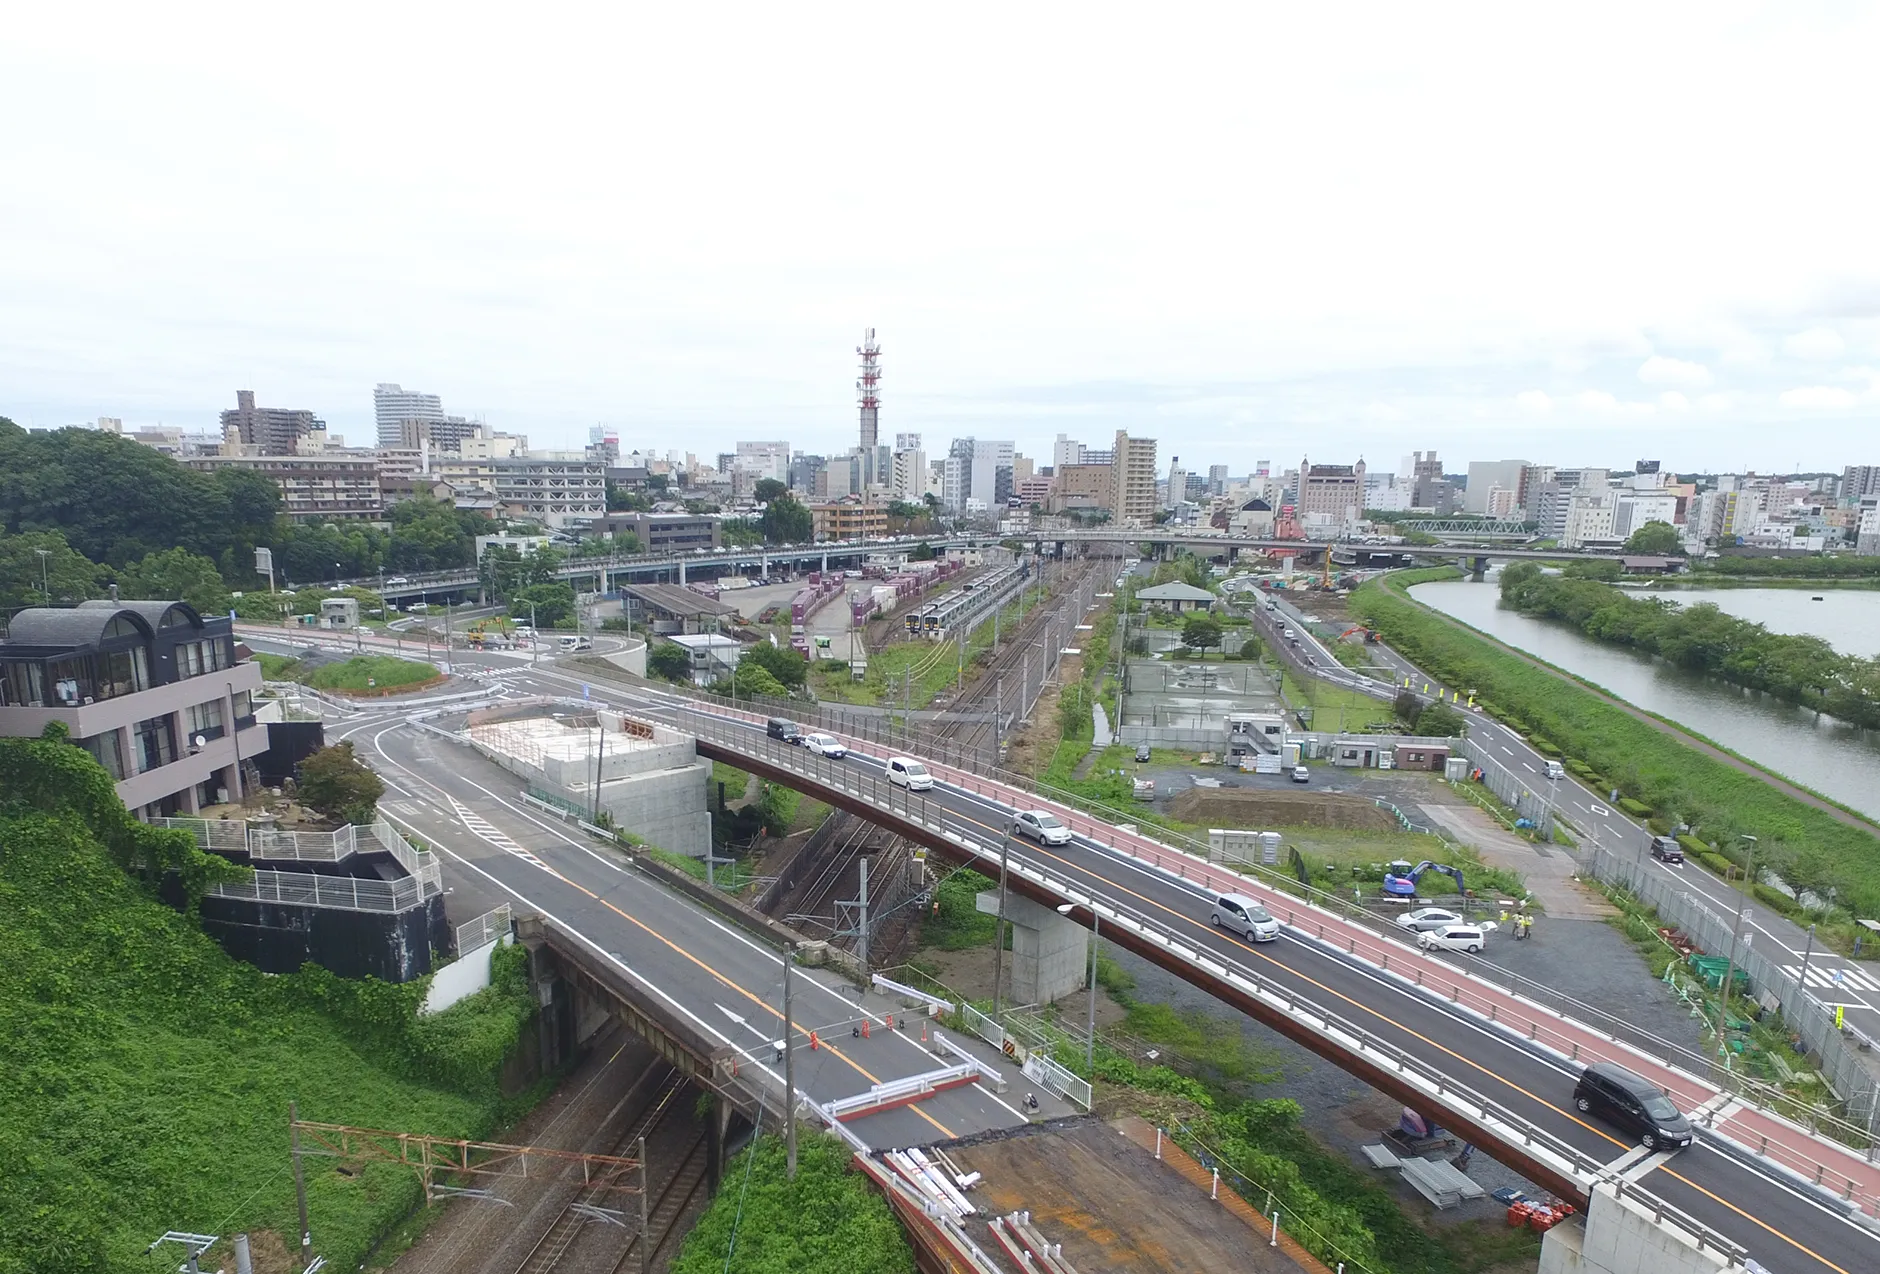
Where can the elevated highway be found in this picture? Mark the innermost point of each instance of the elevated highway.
(1494, 1063)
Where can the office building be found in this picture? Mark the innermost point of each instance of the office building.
(1082, 486)
(394, 405)
(909, 480)
(1590, 520)
(1426, 479)
(854, 519)
(1066, 451)
(1217, 479)
(806, 472)
(1035, 489)
(1177, 490)
(150, 688)
(979, 470)
(1329, 494)
(1132, 481)
(662, 532)
(1867, 528)
(1484, 476)
(314, 488)
(760, 460)
(273, 431)
(1858, 481)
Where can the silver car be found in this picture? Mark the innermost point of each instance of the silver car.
(1245, 917)
(1042, 826)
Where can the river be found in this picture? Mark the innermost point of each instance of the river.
(1829, 756)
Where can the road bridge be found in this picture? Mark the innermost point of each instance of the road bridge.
(1496, 1064)
(1209, 542)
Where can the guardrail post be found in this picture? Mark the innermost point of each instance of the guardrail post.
(1274, 1241)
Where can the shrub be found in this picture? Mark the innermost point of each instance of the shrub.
(1717, 863)
(1544, 747)
(1692, 846)
(1658, 827)
(1775, 899)
(1637, 809)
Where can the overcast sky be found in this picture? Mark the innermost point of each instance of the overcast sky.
(1575, 233)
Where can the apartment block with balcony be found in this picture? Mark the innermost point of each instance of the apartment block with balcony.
(663, 532)
(849, 520)
(560, 494)
(151, 689)
(1133, 478)
(316, 488)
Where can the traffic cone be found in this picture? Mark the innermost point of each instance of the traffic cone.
(814, 1043)
(864, 1028)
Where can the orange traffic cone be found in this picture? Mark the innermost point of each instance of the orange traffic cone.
(814, 1043)
(864, 1028)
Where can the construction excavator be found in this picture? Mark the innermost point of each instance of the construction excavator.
(1370, 637)
(1400, 879)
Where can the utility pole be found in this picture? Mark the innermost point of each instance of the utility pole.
(300, 1182)
(789, 1068)
(998, 947)
(861, 940)
(1729, 976)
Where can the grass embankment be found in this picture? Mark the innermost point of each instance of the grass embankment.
(358, 674)
(1662, 778)
(828, 1218)
(145, 1075)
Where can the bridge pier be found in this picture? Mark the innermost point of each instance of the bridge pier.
(1618, 1236)
(682, 570)
(825, 562)
(1049, 951)
(1478, 568)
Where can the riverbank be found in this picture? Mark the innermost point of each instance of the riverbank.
(1811, 841)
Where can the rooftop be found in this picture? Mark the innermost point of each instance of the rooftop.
(1175, 591)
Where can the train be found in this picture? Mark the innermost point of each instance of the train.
(934, 620)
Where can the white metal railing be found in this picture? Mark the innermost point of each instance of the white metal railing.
(485, 929)
(306, 889)
(421, 866)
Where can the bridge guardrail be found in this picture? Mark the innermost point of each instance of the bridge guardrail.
(1544, 1025)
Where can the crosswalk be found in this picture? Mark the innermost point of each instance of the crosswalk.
(488, 831)
(1836, 977)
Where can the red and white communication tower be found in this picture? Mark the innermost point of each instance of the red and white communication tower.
(868, 388)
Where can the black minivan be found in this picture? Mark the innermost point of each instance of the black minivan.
(1633, 1103)
(783, 728)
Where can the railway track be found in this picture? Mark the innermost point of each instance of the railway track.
(664, 1096)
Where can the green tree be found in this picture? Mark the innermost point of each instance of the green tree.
(1200, 632)
(62, 575)
(786, 665)
(1439, 721)
(768, 489)
(755, 679)
(624, 500)
(786, 521)
(1659, 539)
(176, 574)
(553, 603)
(922, 552)
(673, 662)
(336, 784)
(430, 535)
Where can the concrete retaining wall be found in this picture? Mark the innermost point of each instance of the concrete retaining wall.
(1619, 1237)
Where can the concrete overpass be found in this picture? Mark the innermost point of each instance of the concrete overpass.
(1214, 543)
(1495, 1065)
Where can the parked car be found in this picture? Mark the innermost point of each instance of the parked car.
(1142, 752)
(1301, 774)
(1043, 827)
(1666, 849)
(1245, 917)
(825, 745)
(905, 771)
(1633, 1103)
(1463, 937)
(785, 729)
(418, 608)
(1429, 918)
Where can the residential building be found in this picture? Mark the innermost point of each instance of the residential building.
(1132, 481)
(150, 688)
(1858, 481)
(1633, 509)
(1867, 529)
(560, 494)
(314, 488)
(1082, 486)
(1330, 494)
(273, 431)
(1217, 479)
(910, 471)
(856, 519)
(481, 443)
(763, 460)
(1485, 475)
(663, 532)
(1177, 490)
(1503, 504)
(1589, 520)
(393, 406)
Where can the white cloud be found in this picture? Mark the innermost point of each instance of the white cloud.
(1659, 370)
(1672, 400)
(1817, 344)
(1822, 396)
(1595, 400)
(1714, 402)
(1534, 402)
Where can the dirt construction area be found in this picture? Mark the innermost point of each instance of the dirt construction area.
(1239, 807)
(1098, 1189)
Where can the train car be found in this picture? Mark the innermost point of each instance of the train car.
(800, 608)
(930, 622)
(912, 623)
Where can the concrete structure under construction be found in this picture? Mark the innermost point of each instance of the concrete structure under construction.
(1050, 953)
(652, 781)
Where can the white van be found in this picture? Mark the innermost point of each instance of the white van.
(1245, 917)
(1555, 770)
(905, 771)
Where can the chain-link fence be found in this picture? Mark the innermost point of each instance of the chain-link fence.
(1529, 796)
(1717, 933)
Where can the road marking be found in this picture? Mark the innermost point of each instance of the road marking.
(485, 830)
(1648, 1165)
(1827, 977)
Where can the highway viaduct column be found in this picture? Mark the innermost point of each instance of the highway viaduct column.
(1618, 1236)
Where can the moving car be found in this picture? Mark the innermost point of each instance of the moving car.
(1043, 827)
(571, 644)
(1667, 849)
(1632, 1102)
(1245, 917)
(1462, 937)
(1554, 770)
(905, 771)
(785, 729)
(1301, 774)
(1429, 918)
(825, 745)
(396, 579)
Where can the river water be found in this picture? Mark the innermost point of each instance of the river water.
(1835, 759)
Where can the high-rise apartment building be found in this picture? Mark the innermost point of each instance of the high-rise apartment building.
(1177, 490)
(1132, 483)
(393, 405)
(909, 479)
(272, 431)
(1858, 481)
(1217, 479)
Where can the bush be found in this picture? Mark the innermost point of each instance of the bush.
(1637, 809)
(1543, 746)
(1693, 846)
(1717, 863)
(1776, 900)
(1658, 827)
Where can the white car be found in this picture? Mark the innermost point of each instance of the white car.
(396, 579)
(824, 745)
(905, 771)
(1467, 938)
(1245, 917)
(1429, 918)
(1043, 827)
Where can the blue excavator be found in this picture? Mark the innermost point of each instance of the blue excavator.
(1400, 878)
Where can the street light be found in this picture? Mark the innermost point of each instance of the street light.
(45, 586)
(1096, 937)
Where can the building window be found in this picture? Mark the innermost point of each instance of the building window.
(155, 743)
(206, 719)
(24, 685)
(108, 750)
(244, 709)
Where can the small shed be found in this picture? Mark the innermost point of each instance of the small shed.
(1421, 756)
(1176, 597)
(339, 612)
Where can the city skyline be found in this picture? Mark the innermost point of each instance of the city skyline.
(1402, 238)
